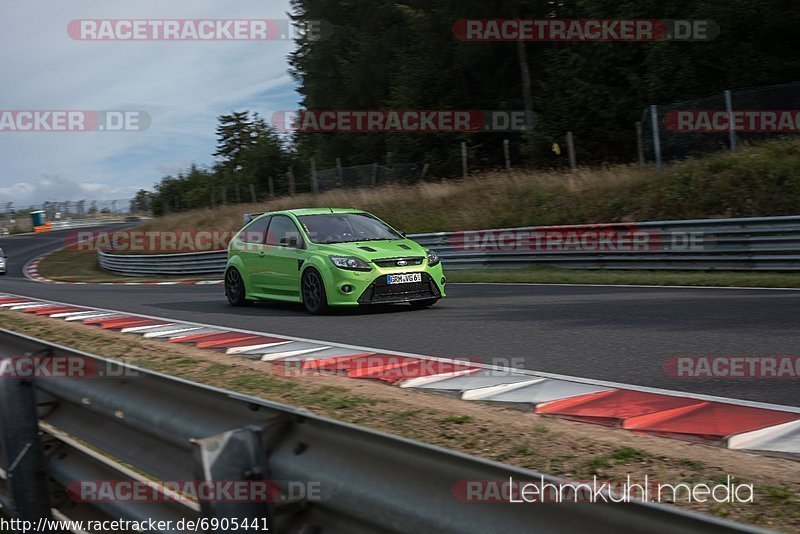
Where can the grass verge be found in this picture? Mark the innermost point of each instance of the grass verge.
(543, 275)
(81, 266)
(571, 450)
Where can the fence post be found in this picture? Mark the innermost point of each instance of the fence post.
(292, 189)
(571, 151)
(729, 108)
(640, 143)
(374, 174)
(506, 154)
(424, 171)
(314, 182)
(656, 135)
(271, 184)
(464, 167)
(339, 177)
(253, 193)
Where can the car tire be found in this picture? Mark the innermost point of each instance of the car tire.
(315, 299)
(235, 289)
(424, 303)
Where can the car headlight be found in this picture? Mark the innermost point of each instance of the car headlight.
(350, 263)
(433, 258)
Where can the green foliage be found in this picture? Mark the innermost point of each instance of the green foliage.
(249, 153)
(402, 54)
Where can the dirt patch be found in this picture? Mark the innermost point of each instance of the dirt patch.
(571, 450)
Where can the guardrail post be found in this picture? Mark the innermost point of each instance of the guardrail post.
(506, 154)
(20, 447)
(238, 455)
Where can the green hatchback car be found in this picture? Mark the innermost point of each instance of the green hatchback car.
(325, 257)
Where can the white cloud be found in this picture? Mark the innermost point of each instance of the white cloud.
(183, 86)
(58, 188)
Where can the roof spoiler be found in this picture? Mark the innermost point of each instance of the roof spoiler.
(250, 216)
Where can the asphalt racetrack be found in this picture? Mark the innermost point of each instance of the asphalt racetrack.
(620, 334)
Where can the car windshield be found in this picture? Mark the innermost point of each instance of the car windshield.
(346, 228)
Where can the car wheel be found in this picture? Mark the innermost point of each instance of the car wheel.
(424, 303)
(314, 298)
(234, 288)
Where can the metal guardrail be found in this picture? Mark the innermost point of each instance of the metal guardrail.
(742, 244)
(137, 425)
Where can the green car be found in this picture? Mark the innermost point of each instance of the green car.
(326, 257)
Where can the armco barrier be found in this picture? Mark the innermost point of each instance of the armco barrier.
(137, 425)
(742, 244)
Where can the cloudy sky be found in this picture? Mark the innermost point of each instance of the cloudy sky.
(184, 86)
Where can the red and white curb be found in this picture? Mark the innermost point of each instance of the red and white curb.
(731, 423)
(31, 272)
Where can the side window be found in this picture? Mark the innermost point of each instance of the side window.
(255, 232)
(282, 232)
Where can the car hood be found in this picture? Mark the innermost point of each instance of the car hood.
(375, 250)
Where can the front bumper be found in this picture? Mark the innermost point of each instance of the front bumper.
(355, 288)
(379, 292)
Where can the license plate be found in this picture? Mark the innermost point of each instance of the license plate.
(403, 278)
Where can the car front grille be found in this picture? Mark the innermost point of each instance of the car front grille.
(379, 292)
(393, 262)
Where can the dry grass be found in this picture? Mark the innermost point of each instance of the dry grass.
(762, 180)
(504, 198)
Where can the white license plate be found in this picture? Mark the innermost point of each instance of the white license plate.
(403, 278)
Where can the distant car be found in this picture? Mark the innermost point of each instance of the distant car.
(329, 257)
(2, 262)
